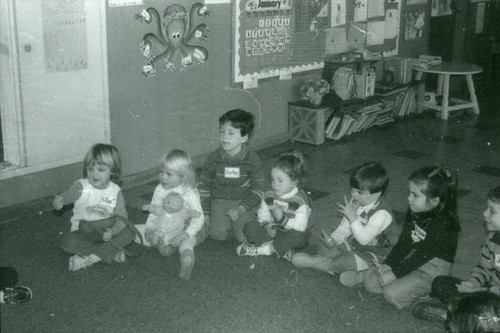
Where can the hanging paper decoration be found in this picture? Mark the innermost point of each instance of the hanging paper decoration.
(170, 47)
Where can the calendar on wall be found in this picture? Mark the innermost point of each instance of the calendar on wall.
(281, 37)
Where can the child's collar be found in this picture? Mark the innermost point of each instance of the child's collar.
(290, 194)
(240, 155)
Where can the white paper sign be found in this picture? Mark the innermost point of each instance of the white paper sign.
(124, 3)
(250, 82)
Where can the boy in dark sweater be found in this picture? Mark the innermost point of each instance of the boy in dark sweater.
(232, 180)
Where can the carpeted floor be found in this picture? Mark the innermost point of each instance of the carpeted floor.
(225, 294)
(231, 294)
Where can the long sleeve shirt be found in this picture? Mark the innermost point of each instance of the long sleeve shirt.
(425, 236)
(487, 271)
(93, 204)
(372, 220)
(295, 206)
(191, 202)
(238, 177)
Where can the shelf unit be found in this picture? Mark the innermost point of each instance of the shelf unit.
(313, 123)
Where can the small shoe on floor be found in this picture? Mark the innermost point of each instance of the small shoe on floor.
(434, 311)
(246, 250)
(351, 278)
(288, 255)
(77, 263)
(304, 260)
(120, 257)
(15, 295)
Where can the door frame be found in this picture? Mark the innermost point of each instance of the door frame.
(11, 117)
(13, 126)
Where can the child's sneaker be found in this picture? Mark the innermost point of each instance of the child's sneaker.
(246, 250)
(351, 278)
(432, 310)
(76, 262)
(15, 295)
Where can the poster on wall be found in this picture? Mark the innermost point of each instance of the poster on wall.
(441, 8)
(414, 23)
(64, 35)
(270, 36)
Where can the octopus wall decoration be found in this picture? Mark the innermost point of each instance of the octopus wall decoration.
(170, 47)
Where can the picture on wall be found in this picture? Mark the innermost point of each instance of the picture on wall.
(173, 43)
(441, 8)
(414, 23)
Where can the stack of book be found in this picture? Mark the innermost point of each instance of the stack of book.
(404, 103)
(427, 61)
(400, 69)
(357, 117)
(383, 89)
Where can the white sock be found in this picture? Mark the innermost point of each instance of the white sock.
(266, 249)
(2, 301)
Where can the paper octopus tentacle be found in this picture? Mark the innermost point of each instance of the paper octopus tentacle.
(151, 15)
(199, 32)
(197, 9)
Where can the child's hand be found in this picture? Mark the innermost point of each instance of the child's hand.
(348, 209)
(277, 213)
(381, 269)
(234, 213)
(153, 209)
(107, 235)
(385, 278)
(148, 234)
(326, 240)
(271, 231)
(177, 240)
(468, 287)
(57, 203)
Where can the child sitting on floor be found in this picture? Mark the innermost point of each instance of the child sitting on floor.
(283, 223)
(427, 244)
(100, 229)
(484, 277)
(365, 232)
(176, 174)
(231, 180)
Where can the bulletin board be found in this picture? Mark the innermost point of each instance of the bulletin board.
(281, 37)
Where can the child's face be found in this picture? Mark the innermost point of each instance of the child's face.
(231, 138)
(363, 197)
(281, 183)
(492, 216)
(418, 201)
(99, 175)
(168, 178)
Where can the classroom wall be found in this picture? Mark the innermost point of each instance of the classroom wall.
(180, 109)
(150, 116)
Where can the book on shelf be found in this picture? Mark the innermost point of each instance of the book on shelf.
(357, 117)
(387, 89)
(342, 82)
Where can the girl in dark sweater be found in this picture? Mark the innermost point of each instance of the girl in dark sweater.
(427, 244)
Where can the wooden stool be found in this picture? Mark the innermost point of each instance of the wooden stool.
(444, 71)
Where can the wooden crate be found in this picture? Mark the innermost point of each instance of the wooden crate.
(306, 123)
